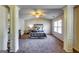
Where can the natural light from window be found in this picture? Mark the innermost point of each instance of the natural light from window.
(58, 26)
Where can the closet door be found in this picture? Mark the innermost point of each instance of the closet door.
(3, 28)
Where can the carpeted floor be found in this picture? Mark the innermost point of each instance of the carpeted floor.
(47, 45)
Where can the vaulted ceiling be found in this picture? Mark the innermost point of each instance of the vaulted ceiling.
(51, 11)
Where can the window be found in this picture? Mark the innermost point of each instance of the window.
(58, 26)
(55, 26)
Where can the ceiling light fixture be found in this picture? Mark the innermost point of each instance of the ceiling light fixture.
(37, 13)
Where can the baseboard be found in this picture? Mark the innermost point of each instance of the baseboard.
(68, 50)
(75, 50)
(3, 51)
(57, 38)
(12, 51)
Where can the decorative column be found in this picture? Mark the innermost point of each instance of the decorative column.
(3, 28)
(68, 28)
(14, 28)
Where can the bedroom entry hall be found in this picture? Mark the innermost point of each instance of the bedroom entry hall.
(43, 29)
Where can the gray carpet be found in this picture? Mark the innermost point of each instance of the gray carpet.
(46, 45)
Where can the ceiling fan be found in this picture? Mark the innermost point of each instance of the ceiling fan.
(37, 13)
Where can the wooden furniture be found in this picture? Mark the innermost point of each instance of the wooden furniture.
(25, 36)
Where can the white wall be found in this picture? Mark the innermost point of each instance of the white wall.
(3, 28)
(60, 36)
(45, 22)
(21, 25)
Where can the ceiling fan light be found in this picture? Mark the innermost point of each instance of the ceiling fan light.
(37, 13)
(37, 16)
(33, 13)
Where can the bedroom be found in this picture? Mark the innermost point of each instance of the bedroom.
(37, 22)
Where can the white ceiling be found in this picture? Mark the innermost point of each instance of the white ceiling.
(41, 6)
(51, 11)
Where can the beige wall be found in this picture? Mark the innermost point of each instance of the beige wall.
(45, 22)
(76, 28)
(60, 36)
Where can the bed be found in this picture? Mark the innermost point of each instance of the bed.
(37, 34)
